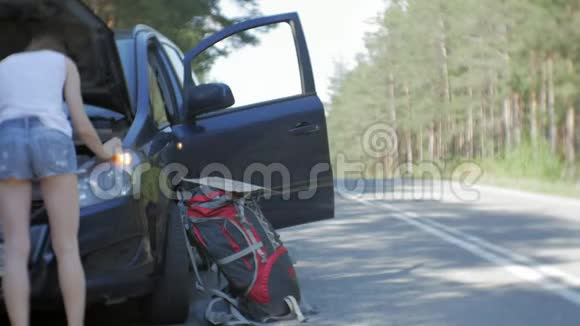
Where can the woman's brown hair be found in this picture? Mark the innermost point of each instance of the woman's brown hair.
(46, 37)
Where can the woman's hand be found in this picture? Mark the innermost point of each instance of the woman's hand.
(110, 148)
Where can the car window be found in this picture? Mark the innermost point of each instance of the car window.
(157, 103)
(276, 77)
(176, 61)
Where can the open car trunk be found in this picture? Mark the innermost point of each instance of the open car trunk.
(90, 43)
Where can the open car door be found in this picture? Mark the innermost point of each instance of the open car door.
(278, 141)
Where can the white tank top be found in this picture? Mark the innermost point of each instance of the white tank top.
(32, 84)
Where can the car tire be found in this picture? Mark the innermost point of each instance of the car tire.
(169, 302)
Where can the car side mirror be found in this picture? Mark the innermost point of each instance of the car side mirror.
(207, 98)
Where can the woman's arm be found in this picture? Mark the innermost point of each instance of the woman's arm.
(80, 121)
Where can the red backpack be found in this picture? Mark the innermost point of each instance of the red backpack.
(230, 229)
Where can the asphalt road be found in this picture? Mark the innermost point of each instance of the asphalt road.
(406, 257)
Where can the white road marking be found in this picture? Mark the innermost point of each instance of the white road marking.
(545, 269)
(522, 267)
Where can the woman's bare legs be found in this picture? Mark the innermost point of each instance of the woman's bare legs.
(15, 197)
(62, 203)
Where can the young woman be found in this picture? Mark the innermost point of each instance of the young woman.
(36, 144)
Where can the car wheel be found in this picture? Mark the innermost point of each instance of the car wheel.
(171, 296)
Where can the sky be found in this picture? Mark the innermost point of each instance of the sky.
(334, 30)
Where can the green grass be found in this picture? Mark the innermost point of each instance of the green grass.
(527, 161)
(532, 168)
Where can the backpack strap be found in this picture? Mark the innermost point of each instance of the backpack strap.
(295, 309)
(183, 214)
(294, 314)
(252, 205)
(233, 317)
(240, 204)
(240, 254)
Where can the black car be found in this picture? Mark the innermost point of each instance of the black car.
(138, 86)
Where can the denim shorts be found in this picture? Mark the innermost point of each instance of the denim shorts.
(29, 150)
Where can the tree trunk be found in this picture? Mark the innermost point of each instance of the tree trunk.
(493, 131)
(482, 129)
(439, 139)
(420, 144)
(532, 99)
(450, 144)
(507, 107)
(409, 134)
(444, 67)
(551, 109)
(494, 125)
(533, 119)
(392, 99)
(469, 135)
(391, 161)
(432, 141)
(507, 124)
(517, 123)
(444, 62)
(543, 101)
(459, 142)
(409, 150)
(570, 150)
(570, 119)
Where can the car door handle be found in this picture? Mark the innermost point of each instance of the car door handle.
(304, 128)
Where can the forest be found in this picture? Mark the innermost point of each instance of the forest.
(493, 82)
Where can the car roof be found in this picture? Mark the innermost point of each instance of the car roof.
(124, 34)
